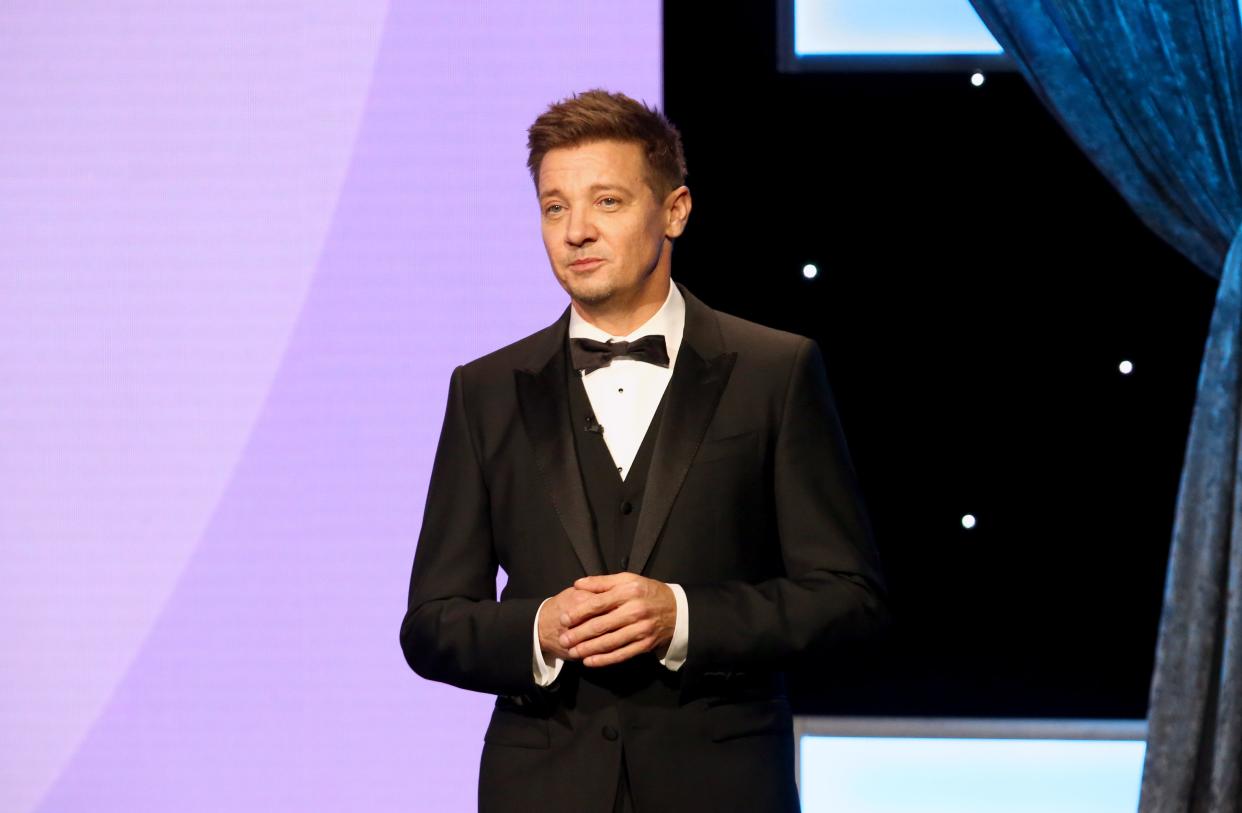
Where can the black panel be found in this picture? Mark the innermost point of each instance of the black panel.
(980, 282)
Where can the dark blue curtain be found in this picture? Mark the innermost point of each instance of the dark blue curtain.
(1149, 89)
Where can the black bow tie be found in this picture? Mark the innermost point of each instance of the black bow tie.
(590, 355)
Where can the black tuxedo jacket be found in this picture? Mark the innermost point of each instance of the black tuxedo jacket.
(751, 505)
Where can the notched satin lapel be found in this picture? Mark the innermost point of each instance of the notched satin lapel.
(545, 412)
(694, 392)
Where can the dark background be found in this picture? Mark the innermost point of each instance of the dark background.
(979, 284)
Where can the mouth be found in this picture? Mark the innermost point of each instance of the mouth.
(585, 263)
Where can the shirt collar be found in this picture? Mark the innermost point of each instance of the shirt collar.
(669, 321)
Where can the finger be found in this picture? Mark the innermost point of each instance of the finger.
(612, 641)
(599, 584)
(598, 625)
(617, 655)
(597, 605)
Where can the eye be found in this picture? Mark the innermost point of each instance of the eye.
(605, 201)
(551, 207)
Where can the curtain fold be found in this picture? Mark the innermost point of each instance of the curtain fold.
(1149, 89)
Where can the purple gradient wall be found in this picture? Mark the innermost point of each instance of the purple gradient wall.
(242, 246)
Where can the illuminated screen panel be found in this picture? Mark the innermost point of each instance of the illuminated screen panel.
(885, 33)
(242, 248)
(971, 774)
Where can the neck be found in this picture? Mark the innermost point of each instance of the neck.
(623, 318)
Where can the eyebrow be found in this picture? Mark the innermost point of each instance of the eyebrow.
(595, 187)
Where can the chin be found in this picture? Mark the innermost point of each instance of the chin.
(591, 297)
(590, 292)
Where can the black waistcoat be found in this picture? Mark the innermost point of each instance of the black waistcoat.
(615, 503)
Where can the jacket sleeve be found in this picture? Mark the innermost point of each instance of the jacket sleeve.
(831, 588)
(454, 630)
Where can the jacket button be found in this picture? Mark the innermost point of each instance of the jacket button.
(626, 507)
(610, 733)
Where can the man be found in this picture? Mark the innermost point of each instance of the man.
(669, 492)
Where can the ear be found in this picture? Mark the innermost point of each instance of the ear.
(677, 210)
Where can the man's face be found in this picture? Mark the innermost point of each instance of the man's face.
(603, 227)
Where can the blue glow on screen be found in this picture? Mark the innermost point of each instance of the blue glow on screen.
(944, 775)
(889, 27)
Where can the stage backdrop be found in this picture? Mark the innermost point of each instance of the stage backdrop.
(242, 247)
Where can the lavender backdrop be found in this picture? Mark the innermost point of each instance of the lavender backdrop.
(242, 245)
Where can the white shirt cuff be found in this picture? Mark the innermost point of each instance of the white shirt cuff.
(676, 655)
(543, 671)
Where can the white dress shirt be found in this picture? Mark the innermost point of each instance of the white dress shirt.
(624, 397)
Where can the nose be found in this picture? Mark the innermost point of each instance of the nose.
(580, 226)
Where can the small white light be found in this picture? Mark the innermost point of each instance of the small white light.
(968, 521)
(1126, 367)
(810, 271)
(976, 79)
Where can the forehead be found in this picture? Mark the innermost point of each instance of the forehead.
(568, 169)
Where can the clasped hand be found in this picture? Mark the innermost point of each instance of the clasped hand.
(602, 620)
